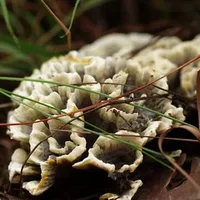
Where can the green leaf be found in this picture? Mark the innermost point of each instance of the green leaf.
(12, 71)
(28, 48)
(7, 21)
(74, 13)
(14, 52)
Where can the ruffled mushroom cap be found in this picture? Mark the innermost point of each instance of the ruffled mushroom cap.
(47, 178)
(17, 160)
(34, 187)
(112, 43)
(167, 54)
(163, 43)
(50, 152)
(127, 195)
(176, 55)
(111, 156)
(60, 141)
(162, 56)
(129, 120)
(189, 73)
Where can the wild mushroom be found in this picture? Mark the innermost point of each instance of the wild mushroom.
(60, 139)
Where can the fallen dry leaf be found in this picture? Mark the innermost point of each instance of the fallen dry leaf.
(157, 180)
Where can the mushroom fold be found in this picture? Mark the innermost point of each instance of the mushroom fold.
(108, 137)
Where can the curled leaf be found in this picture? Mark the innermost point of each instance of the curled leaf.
(196, 133)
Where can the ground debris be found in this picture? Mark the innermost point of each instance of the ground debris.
(161, 183)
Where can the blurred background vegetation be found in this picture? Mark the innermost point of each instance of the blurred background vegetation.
(40, 36)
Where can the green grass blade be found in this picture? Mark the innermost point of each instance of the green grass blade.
(7, 21)
(58, 110)
(51, 82)
(103, 133)
(19, 101)
(87, 5)
(124, 141)
(32, 100)
(14, 52)
(91, 91)
(9, 70)
(161, 114)
(134, 146)
(27, 48)
(159, 161)
(74, 13)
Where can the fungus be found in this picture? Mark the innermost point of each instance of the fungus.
(64, 142)
(177, 54)
(110, 44)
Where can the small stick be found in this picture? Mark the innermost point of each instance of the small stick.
(117, 113)
(6, 105)
(124, 135)
(166, 138)
(176, 94)
(65, 29)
